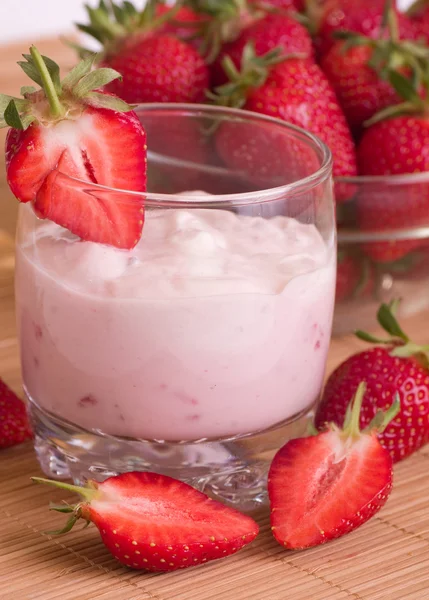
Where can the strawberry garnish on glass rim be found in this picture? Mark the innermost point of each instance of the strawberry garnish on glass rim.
(153, 522)
(72, 128)
(324, 486)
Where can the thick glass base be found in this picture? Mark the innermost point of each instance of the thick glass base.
(233, 471)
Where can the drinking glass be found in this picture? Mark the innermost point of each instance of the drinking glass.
(201, 351)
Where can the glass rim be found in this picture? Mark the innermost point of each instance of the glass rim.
(323, 173)
(403, 179)
(357, 236)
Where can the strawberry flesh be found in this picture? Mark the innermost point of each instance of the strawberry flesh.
(321, 487)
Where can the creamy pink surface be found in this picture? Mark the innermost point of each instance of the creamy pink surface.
(214, 325)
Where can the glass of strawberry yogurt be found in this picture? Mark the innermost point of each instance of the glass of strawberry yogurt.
(200, 351)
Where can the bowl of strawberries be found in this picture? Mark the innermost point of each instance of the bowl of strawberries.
(352, 72)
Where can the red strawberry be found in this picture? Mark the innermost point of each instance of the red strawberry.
(394, 146)
(274, 30)
(296, 91)
(153, 522)
(66, 128)
(156, 66)
(159, 69)
(358, 16)
(360, 70)
(361, 91)
(325, 486)
(14, 426)
(397, 366)
(183, 23)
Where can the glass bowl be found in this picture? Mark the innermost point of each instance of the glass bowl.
(383, 247)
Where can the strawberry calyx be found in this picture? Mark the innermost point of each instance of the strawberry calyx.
(253, 73)
(351, 431)
(88, 493)
(223, 22)
(402, 346)
(112, 24)
(57, 99)
(401, 62)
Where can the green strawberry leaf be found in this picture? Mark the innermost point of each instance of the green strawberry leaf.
(78, 72)
(388, 321)
(95, 80)
(62, 508)
(27, 89)
(11, 116)
(105, 101)
(67, 527)
(5, 100)
(403, 86)
(31, 71)
(372, 339)
(90, 30)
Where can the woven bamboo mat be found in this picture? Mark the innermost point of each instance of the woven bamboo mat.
(386, 559)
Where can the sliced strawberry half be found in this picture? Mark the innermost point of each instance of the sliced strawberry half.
(153, 522)
(324, 486)
(71, 128)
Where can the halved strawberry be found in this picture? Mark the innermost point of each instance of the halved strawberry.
(324, 486)
(153, 522)
(68, 128)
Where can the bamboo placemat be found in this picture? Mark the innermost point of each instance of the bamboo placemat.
(386, 559)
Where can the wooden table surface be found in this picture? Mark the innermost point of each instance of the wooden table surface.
(387, 559)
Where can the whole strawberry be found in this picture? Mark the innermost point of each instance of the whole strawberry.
(358, 16)
(395, 145)
(276, 30)
(181, 22)
(153, 522)
(156, 66)
(326, 485)
(394, 366)
(360, 69)
(70, 128)
(294, 90)
(14, 425)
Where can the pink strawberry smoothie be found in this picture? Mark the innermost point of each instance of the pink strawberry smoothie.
(216, 324)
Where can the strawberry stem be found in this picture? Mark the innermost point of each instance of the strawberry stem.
(351, 423)
(88, 493)
(48, 85)
(351, 428)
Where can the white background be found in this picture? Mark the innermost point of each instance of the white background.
(24, 19)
